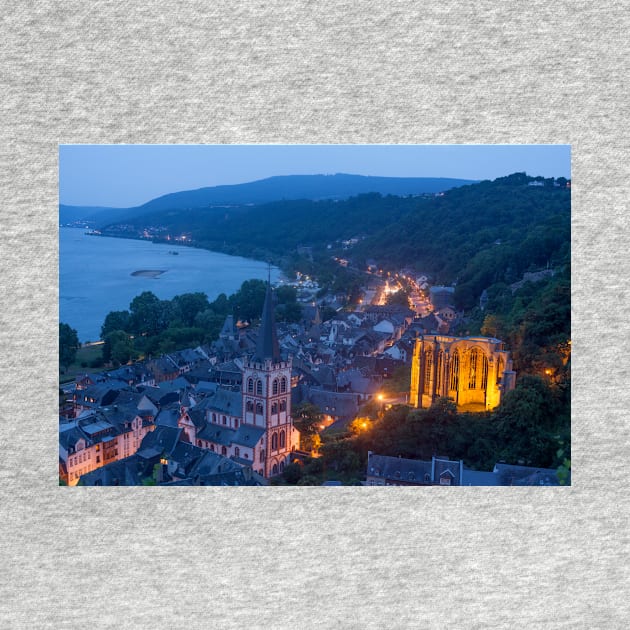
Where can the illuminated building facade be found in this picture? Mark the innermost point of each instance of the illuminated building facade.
(474, 372)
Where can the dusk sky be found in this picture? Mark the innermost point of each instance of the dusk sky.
(130, 175)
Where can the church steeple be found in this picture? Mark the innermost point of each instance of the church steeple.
(267, 346)
(267, 397)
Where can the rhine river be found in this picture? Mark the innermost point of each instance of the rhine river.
(95, 275)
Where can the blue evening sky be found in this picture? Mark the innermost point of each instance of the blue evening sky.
(129, 175)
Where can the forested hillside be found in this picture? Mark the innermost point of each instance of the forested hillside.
(475, 235)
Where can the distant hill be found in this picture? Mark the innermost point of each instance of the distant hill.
(73, 214)
(475, 235)
(286, 187)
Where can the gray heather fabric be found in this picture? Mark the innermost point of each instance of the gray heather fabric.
(287, 72)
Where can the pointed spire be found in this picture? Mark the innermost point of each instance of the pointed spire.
(267, 346)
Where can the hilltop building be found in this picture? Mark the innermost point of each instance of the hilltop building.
(474, 372)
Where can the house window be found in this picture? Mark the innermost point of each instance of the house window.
(262, 455)
(212, 447)
(199, 443)
(259, 388)
(235, 423)
(224, 420)
(245, 455)
(214, 417)
(282, 439)
(223, 450)
(237, 451)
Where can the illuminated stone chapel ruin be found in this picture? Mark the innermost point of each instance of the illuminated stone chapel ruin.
(474, 372)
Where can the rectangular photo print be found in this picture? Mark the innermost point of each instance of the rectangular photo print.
(314, 315)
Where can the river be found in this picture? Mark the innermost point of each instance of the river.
(96, 275)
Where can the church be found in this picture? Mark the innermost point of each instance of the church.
(474, 372)
(253, 426)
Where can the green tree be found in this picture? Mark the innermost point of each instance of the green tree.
(292, 473)
(149, 315)
(210, 322)
(115, 320)
(188, 305)
(68, 345)
(118, 347)
(248, 301)
(307, 419)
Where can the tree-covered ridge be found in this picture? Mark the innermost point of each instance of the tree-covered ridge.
(475, 235)
(480, 234)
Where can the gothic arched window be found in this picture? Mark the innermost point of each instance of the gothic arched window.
(274, 470)
(274, 442)
(258, 387)
(259, 408)
(282, 439)
(478, 372)
(428, 372)
(439, 381)
(250, 385)
(473, 368)
(454, 372)
(274, 387)
(249, 406)
(283, 405)
(237, 451)
(223, 450)
(274, 408)
(281, 466)
(283, 385)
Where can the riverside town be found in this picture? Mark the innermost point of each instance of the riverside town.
(416, 332)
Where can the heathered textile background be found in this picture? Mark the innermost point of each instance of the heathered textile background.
(304, 72)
